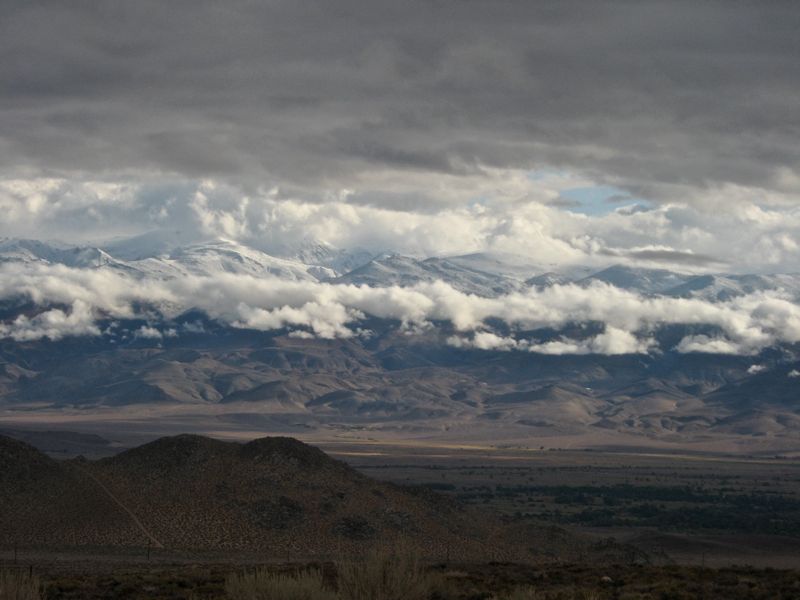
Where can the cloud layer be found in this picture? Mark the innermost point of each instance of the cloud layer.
(745, 324)
(510, 212)
(569, 133)
(655, 97)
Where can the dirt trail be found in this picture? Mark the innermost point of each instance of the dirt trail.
(119, 503)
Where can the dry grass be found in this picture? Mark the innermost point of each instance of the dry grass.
(386, 575)
(19, 585)
(264, 585)
(530, 593)
(523, 593)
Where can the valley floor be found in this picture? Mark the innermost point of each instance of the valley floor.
(699, 509)
(658, 525)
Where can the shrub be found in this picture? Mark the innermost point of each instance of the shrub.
(264, 585)
(19, 585)
(529, 593)
(522, 593)
(385, 575)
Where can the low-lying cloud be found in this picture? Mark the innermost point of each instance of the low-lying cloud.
(612, 341)
(73, 301)
(54, 324)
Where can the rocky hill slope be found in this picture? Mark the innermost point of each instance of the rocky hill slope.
(274, 496)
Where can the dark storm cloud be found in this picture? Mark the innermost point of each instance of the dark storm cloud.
(645, 94)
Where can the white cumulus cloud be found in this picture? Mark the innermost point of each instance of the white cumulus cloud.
(745, 324)
(53, 324)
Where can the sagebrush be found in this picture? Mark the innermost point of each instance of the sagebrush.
(262, 584)
(17, 584)
(522, 593)
(530, 593)
(386, 575)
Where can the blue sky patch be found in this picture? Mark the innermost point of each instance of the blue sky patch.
(594, 200)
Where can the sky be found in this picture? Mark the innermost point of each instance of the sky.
(662, 134)
(559, 128)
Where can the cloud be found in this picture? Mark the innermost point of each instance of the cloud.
(53, 324)
(611, 342)
(708, 345)
(430, 129)
(194, 327)
(507, 212)
(147, 332)
(746, 324)
(793, 374)
(655, 98)
(327, 320)
(486, 340)
(756, 369)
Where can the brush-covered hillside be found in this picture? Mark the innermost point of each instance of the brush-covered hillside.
(274, 496)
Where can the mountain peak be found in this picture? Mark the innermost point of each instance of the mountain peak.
(651, 281)
(172, 452)
(274, 449)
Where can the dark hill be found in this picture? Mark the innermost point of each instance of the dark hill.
(289, 452)
(21, 463)
(169, 454)
(50, 503)
(271, 496)
(64, 443)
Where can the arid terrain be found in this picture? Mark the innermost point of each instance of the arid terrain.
(391, 386)
(399, 300)
(174, 517)
(272, 496)
(676, 508)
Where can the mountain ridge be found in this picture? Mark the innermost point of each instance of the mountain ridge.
(393, 384)
(386, 375)
(484, 273)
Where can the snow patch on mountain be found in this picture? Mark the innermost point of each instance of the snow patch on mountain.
(648, 281)
(405, 271)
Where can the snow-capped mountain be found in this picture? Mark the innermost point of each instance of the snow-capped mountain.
(515, 266)
(34, 251)
(664, 393)
(647, 281)
(331, 261)
(724, 287)
(172, 254)
(509, 265)
(319, 258)
(224, 256)
(711, 287)
(547, 280)
(396, 269)
(486, 274)
(161, 260)
(152, 244)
